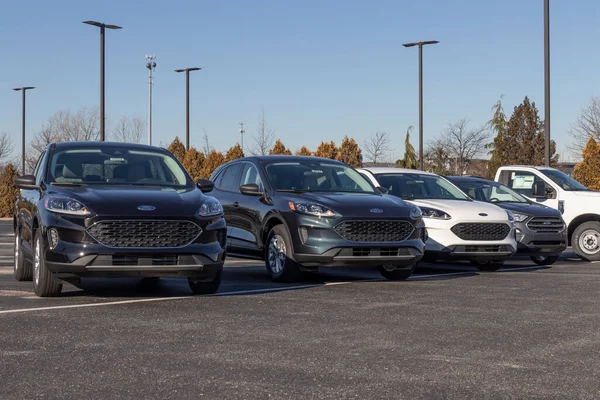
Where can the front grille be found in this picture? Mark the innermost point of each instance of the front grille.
(144, 233)
(375, 231)
(546, 224)
(481, 231)
(482, 249)
(374, 252)
(128, 260)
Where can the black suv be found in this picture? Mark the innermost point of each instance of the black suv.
(115, 210)
(540, 230)
(299, 213)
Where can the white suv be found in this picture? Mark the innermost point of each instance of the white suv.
(458, 227)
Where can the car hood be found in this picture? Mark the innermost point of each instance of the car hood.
(590, 193)
(357, 204)
(464, 209)
(124, 201)
(535, 210)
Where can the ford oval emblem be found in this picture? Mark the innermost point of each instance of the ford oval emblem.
(146, 208)
(483, 214)
(376, 210)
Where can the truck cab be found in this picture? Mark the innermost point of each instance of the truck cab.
(580, 206)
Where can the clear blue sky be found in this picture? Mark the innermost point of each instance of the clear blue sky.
(320, 69)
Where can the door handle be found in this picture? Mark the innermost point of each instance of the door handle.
(236, 204)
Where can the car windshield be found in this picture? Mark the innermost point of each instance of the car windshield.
(491, 192)
(412, 186)
(316, 176)
(563, 180)
(115, 166)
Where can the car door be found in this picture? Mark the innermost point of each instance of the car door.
(27, 204)
(226, 190)
(522, 181)
(246, 216)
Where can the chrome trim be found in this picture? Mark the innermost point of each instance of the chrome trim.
(200, 230)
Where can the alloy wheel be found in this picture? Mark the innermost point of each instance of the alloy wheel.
(36, 263)
(277, 254)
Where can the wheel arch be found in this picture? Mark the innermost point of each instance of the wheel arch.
(270, 223)
(580, 220)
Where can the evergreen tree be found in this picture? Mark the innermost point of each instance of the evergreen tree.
(279, 148)
(327, 150)
(193, 162)
(234, 153)
(350, 153)
(177, 149)
(410, 155)
(304, 151)
(587, 171)
(212, 162)
(8, 191)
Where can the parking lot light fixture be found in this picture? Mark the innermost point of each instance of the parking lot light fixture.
(421, 44)
(187, 103)
(23, 90)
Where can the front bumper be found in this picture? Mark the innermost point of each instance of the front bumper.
(532, 243)
(85, 257)
(445, 245)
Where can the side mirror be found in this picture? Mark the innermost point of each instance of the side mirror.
(205, 185)
(25, 182)
(383, 190)
(539, 189)
(251, 189)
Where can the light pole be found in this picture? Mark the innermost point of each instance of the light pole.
(547, 81)
(420, 44)
(150, 64)
(102, 27)
(242, 131)
(187, 103)
(23, 90)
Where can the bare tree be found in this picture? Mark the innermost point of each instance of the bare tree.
(206, 148)
(129, 130)
(86, 125)
(265, 137)
(6, 146)
(586, 126)
(463, 144)
(377, 146)
(436, 158)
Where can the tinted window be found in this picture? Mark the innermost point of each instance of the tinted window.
(419, 186)
(229, 179)
(250, 175)
(316, 176)
(37, 172)
(116, 166)
(491, 192)
(522, 182)
(563, 180)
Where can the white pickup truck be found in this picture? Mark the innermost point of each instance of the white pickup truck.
(579, 205)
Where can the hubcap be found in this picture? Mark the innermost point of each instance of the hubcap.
(277, 254)
(36, 263)
(17, 251)
(389, 267)
(588, 241)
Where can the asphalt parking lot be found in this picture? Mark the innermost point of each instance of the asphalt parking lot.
(448, 332)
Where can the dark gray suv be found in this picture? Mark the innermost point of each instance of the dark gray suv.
(541, 231)
(300, 213)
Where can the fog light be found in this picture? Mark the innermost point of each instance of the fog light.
(303, 234)
(519, 235)
(52, 238)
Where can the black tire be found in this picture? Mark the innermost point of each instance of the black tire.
(210, 287)
(22, 270)
(396, 274)
(586, 241)
(487, 265)
(44, 284)
(429, 259)
(279, 261)
(544, 260)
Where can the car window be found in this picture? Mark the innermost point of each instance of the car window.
(522, 182)
(411, 186)
(110, 165)
(491, 192)
(37, 170)
(230, 178)
(250, 175)
(316, 176)
(563, 180)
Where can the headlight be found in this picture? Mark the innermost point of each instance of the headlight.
(519, 217)
(434, 213)
(210, 207)
(65, 205)
(311, 209)
(511, 216)
(416, 212)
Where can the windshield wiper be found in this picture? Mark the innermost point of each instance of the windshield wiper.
(297, 191)
(67, 183)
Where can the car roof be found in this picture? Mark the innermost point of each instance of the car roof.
(283, 158)
(392, 170)
(469, 179)
(95, 145)
(540, 168)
